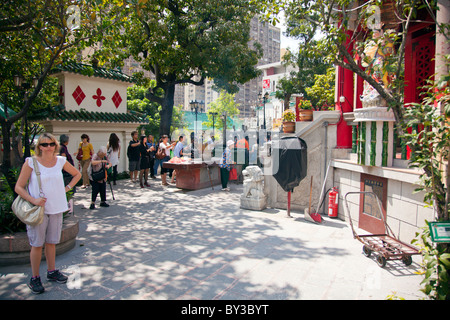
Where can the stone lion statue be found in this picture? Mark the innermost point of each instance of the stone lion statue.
(253, 182)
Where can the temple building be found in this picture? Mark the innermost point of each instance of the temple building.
(92, 100)
(358, 145)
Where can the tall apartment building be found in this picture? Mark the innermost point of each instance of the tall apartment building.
(270, 39)
(130, 66)
(190, 92)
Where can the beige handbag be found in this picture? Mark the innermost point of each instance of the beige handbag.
(27, 212)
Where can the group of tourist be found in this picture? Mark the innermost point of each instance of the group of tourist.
(143, 160)
(59, 175)
(106, 158)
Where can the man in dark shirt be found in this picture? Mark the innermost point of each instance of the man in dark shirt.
(133, 156)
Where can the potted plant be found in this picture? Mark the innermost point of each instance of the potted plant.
(288, 121)
(305, 110)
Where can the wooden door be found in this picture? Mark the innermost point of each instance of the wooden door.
(370, 218)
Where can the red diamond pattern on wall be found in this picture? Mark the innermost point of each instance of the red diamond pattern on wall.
(78, 95)
(116, 99)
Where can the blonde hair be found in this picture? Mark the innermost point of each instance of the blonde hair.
(41, 139)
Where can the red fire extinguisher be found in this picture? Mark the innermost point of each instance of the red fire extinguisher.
(333, 200)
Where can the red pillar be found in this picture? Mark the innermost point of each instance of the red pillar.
(297, 111)
(345, 89)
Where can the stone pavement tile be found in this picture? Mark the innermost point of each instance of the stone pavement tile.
(205, 269)
(276, 293)
(136, 290)
(174, 289)
(236, 249)
(11, 281)
(258, 288)
(232, 295)
(93, 291)
(290, 274)
(260, 250)
(53, 291)
(242, 288)
(152, 275)
(169, 255)
(85, 275)
(194, 259)
(267, 268)
(201, 245)
(14, 286)
(212, 287)
(240, 266)
(340, 289)
(306, 291)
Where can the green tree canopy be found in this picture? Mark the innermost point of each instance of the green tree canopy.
(225, 103)
(321, 93)
(307, 65)
(37, 35)
(184, 42)
(137, 101)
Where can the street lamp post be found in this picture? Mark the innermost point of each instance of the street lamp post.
(224, 138)
(213, 114)
(195, 107)
(264, 99)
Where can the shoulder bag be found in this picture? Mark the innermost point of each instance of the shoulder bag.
(80, 153)
(27, 212)
(233, 174)
(160, 154)
(99, 175)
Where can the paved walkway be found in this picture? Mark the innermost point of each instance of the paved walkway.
(166, 243)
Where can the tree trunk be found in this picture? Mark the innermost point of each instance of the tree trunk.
(5, 167)
(286, 101)
(167, 110)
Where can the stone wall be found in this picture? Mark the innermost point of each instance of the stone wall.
(15, 248)
(320, 138)
(405, 210)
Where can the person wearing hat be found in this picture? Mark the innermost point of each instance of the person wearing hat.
(225, 165)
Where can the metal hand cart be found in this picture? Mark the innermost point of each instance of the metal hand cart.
(386, 246)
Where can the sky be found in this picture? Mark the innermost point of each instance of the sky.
(286, 42)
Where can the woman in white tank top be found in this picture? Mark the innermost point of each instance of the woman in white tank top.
(53, 200)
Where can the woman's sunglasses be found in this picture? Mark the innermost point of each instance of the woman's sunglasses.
(45, 144)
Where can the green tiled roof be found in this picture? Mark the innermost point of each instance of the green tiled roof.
(2, 111)
(58, 113)
(88, 70)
